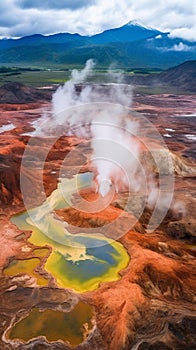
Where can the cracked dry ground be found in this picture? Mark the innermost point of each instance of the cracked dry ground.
(152, 305)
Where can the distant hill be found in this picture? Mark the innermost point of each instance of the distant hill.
(182, 76)
(129, 46)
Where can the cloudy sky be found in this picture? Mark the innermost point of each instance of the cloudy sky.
(26, 17)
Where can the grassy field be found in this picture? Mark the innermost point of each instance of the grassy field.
(35, 77)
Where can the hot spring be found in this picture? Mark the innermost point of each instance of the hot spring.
(78, 261)
(73, 326)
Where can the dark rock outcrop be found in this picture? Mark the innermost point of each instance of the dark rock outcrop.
(9, 179)
(19, 93)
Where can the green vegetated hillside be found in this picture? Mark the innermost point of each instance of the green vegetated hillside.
(129, 46)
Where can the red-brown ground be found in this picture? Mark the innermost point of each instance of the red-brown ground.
(152, 305)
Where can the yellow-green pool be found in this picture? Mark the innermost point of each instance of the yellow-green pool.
(54, 325)
(26, 266)
(77, 261)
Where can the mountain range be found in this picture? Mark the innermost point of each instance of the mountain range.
(130, 46)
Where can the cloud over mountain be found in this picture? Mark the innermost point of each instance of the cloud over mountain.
(26, 17)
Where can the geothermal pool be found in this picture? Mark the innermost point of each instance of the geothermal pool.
(27, 266)
(77, 261)
(71, 326)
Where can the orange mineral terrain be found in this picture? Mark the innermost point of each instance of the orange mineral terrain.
(82, 264)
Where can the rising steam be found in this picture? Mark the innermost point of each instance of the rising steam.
(100, 113)
(97, 112)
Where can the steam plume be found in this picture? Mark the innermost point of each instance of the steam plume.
(100, 113)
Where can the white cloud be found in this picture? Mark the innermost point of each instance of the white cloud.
(158, 36)
(23, 17)
(185, 33)
(181, 47)
(177, 47)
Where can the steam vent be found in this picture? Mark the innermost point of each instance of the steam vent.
(97, 244)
